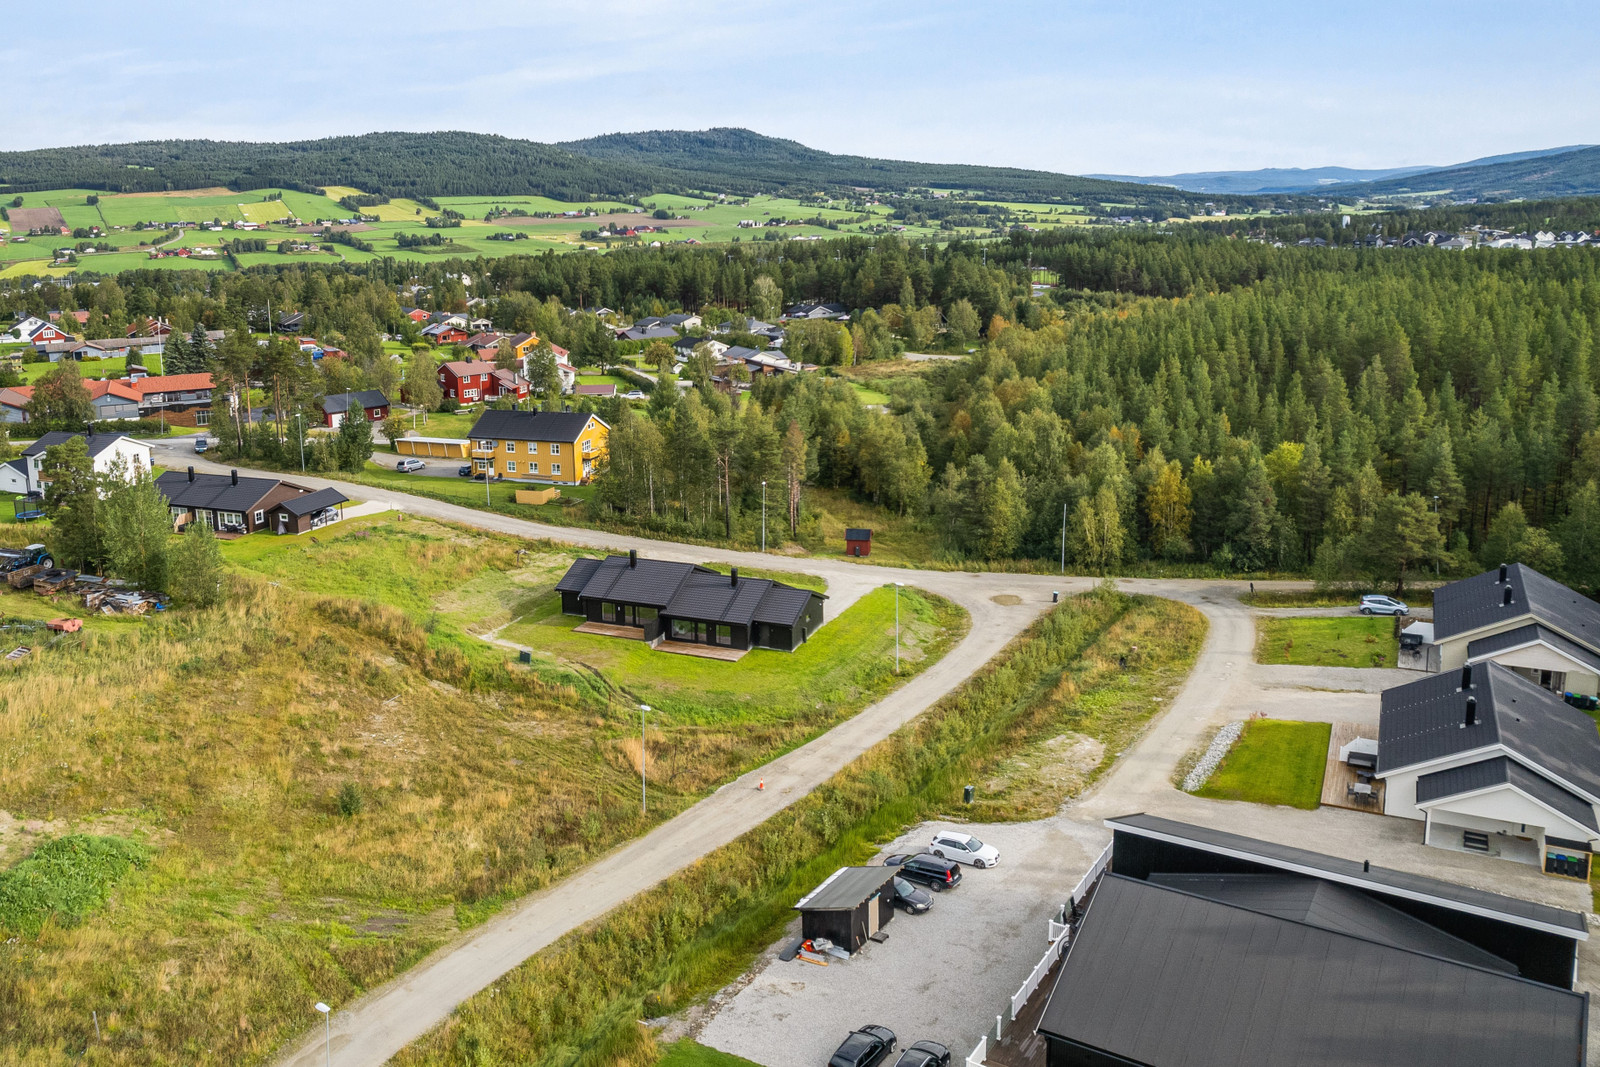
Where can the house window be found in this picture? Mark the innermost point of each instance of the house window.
(588, 446)
(511, 446)
(644, 615)
(555, 448)
(261, 517)
(202, 418)
(483, 464)
(511, 466)
(682, 630)
(533, 448)
(608, 611)
(555, 470)
(724, 635)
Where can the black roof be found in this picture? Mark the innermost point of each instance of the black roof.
(495, 425)
(857, 533)
(650, 333)
(1161, 977)
(1331, 907)
(739, 352)
(1503, 770)
(95, 442)
(334, 403)
(687, 591)
(314, 501)
(214, 491)
(1476, 602)
(846, 888)
(1422, 721)
(1371, 879)
(1495, 643)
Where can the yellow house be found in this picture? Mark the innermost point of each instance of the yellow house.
(564, 447)
(523, 344)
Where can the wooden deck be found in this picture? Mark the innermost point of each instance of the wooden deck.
(610, 629)
(691, 648)
(1338, 777)
(1021, 1046)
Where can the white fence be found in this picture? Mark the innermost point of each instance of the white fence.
(1095, 871)
(977, 1056)
(1042, 968)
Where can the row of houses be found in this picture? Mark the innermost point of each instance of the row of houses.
(180, 399)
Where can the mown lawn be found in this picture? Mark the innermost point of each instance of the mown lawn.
(1343, 641)
(687, 1053)
(1273, 762)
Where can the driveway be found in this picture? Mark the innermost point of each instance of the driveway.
(941, 976)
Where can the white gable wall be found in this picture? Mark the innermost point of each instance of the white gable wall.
(1504, 807)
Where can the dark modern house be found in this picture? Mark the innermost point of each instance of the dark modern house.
(1203, 948)
(658, 601)
(1490, 761)
(849, 907)
(231, 504)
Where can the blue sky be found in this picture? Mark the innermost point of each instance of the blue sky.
(1141, 86)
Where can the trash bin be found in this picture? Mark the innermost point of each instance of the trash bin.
(525, 656)
(966, 794)
(1055, 597)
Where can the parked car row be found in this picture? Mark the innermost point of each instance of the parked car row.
(872, 1045)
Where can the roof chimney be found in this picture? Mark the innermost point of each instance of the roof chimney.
(1366, 866)
(733, 576)
(1466, 676)
(191, 474)
(235, 476)
(1506, 600)
(1472, 712)
(633, 557)
(1502, 574)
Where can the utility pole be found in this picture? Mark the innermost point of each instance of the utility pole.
(1063, 537)
(643, 710)
(897, 587)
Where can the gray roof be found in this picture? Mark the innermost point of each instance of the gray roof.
(846, 888)
(495, 425)
(857, 533)
(1523, 635)
(335, 403)
(95, 442)
(687, 591)
(314, 501)
(1478, 601)
(1503, 770)
(1331, 907)
(1422, 721)
(1371, 879)
(650, 333)
(214, 491)
(1165, 978)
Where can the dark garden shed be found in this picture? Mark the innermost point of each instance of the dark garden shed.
(849, 907)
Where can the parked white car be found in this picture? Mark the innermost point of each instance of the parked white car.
(1377, 604)
(963, 848)
(635, 394)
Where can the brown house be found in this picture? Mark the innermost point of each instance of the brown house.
(231, 504)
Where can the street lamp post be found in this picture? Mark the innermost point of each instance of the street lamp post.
(763, 514)
(327, 1020)
(644, 709)
(897, 587)
(300, 423)
(1063, 537)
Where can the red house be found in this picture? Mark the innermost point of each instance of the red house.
(510, 383)
(415, 314)
(468, 381)
(857, 541)
(336, 407)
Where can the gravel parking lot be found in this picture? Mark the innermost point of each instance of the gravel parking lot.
(941, 976)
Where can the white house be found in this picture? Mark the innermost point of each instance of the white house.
(104, 450)
(1519, 618)
(1490, 762)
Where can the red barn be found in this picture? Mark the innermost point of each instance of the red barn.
(857, 542)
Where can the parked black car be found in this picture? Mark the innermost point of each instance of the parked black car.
(909, 898)
(930, 870)
(464, 471)
(866, 1047)
(924, 1054)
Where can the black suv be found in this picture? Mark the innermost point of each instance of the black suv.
(866, 1047)
(935, 873)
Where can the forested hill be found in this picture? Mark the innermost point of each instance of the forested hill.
(1574, 173)
(774, 164)
(449, 163)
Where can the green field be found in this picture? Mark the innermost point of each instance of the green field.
(1342, 641)
(687, 1053)
(1273, 762)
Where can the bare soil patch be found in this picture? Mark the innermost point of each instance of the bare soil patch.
(24, 219)
(184, 194)
(352, 227)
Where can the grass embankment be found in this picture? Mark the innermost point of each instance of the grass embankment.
(1343, 641)
(1273, 762)
(224, 741)
(578, 1003)
(1315, 598)
(688, 1053)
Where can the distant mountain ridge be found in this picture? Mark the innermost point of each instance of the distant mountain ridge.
(1572, 171)
(1313, 180)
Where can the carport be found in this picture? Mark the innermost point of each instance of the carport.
(849, 907)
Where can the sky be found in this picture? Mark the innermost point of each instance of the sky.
(1079, 86)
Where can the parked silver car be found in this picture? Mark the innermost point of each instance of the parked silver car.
(1378, 604)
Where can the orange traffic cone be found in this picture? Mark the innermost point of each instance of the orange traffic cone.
(761, 785)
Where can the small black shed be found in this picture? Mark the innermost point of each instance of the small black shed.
(850, 906)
